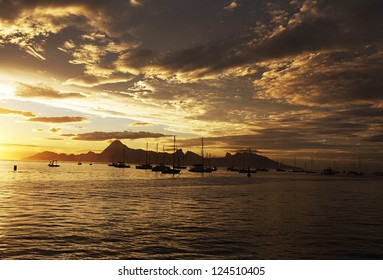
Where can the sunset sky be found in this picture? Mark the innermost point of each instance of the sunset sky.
(289, 79)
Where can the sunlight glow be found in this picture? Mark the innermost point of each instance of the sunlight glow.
(6, 90)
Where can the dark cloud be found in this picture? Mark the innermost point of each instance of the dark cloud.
(375, 138)
(101, 136)
(328, 79)
(65, 119)
(296, 75)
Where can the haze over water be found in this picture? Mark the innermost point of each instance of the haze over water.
(100, 212)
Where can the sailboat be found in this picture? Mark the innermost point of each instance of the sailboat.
(121, 164)
(264, 169)
(172, 170)
(357, 173)
(53, 163)
(248, 170)
(160, 167)
(146, 165)
(201, 167)
(311, 171)
(232, 167)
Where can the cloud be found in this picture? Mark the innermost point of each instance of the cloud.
(378, 138)
(54, 129)
(101, 136)
(54, 138)
(29, 91)
(339, 78)
(140, 124)
(232, 6)
(4, 111)
(20, 145)
(65, 119)
(135, 3)
(91, 81)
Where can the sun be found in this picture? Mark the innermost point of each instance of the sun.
(6, 90)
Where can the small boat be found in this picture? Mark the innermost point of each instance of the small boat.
(201, 167)
(172, 170)
(356, 173)
(160, 168)
(263, 169)
(121, 164)
(328, 171)
(79, 163)
(247, 170)
(53, 163)
(234, 169)
(146, 165)
(179, 167)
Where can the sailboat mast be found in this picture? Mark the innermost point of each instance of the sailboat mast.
(202, 154)
(157, 155)
(174, 151)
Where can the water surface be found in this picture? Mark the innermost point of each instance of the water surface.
(100, 212)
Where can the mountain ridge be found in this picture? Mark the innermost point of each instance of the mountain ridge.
(117, 151)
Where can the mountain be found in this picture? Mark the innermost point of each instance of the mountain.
(117, 151)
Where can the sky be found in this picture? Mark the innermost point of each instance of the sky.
(291, 80)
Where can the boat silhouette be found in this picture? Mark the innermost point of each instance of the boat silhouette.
(146, 165)
(172, 170)
(201, 167)
(53, 163)
(160, 167)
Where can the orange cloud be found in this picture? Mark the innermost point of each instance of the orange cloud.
(101, 136)
(29, 91)
(64, 119)
(4, 111)
(140, 124)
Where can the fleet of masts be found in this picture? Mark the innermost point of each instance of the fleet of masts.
(248, 167)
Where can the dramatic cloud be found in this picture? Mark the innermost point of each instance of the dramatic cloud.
(101, 136)
(64, 119)
(4, 111)
(339, 78)
(301, 75)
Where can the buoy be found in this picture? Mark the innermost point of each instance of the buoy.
(15, 168)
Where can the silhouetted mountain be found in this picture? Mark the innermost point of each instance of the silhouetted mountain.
(117, 151)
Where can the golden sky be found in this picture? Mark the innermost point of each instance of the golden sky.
(296, 78)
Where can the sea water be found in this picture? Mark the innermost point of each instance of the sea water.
(101, 212)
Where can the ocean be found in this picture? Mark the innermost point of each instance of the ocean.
(77, 212)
